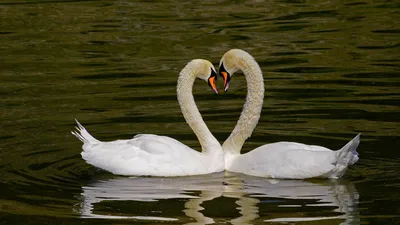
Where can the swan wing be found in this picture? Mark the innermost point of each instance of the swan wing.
(144, 155)
(155, 155)
(288, 160)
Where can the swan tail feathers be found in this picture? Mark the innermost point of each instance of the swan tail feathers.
(346, 156)
(83, 135)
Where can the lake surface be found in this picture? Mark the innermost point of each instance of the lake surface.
(331, 71)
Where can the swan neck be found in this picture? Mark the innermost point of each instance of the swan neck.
(208, 142)
(252, 107)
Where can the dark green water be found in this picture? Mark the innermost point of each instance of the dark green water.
(331, 71)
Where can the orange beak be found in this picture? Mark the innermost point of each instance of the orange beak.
(211, 82)
(227, 80)
(225, 77)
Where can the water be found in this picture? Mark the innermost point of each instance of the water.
(331, 71)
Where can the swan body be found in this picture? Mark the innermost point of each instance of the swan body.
(154, 155)
(291, 160)
(283, 160)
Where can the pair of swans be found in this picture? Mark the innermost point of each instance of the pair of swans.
(153, 155)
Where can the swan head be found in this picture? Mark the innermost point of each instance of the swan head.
(205, 70)
(231, 62)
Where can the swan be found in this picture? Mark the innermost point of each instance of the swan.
(282, 160)
(154, 155)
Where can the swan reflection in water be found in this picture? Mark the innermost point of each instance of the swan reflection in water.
(256, 199)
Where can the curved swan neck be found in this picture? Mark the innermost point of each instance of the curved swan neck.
(191, 113)
(251, 108)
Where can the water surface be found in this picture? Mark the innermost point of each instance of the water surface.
(330, 71)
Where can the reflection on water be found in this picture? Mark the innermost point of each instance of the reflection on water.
(331, 70)
(333, 200)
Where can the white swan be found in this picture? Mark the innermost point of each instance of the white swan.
(153, 155)
(284, 160)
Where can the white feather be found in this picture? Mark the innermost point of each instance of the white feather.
(287, 160)
(153, 155)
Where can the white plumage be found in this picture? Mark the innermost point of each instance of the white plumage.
(153, 155)
(286, 160)
(293, 160)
